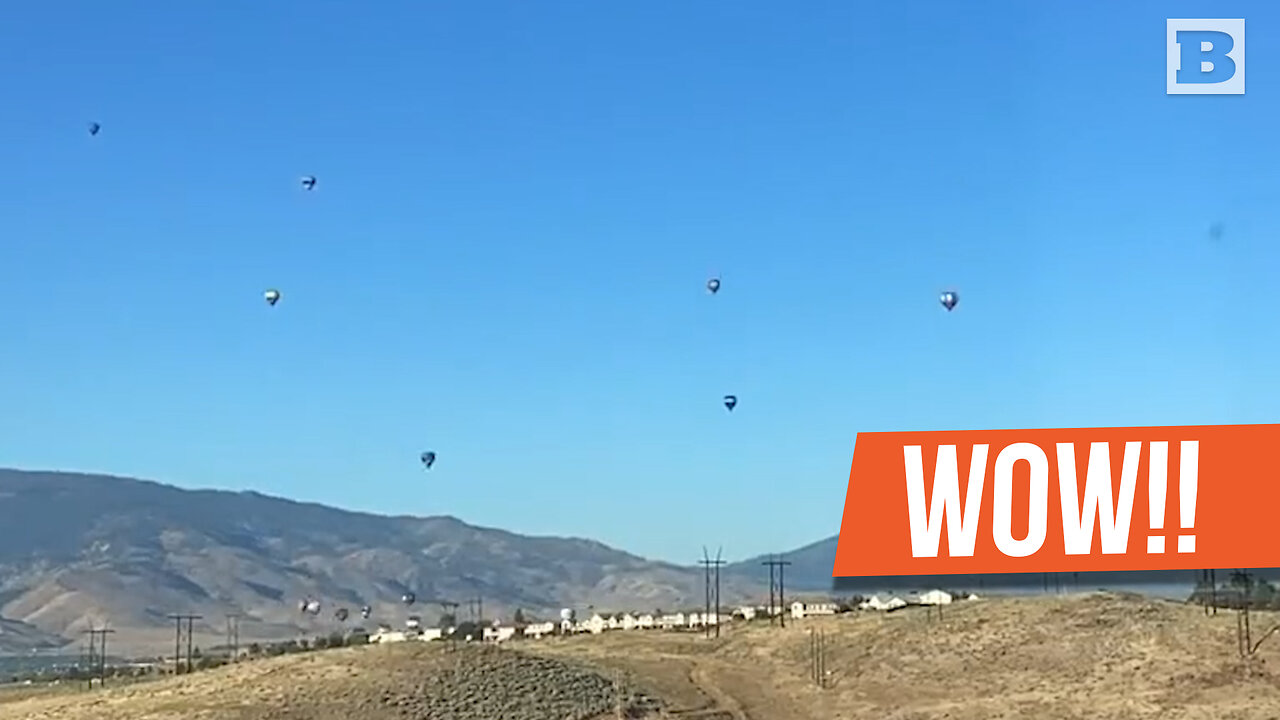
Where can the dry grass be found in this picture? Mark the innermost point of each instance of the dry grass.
(1090, 656)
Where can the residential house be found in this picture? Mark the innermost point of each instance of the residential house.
(935, 597)
(628, 621)
(672, 620)
(876, 603)
(596, 624)
(428, 634)
(388, 637)
(801, 610)
(537, 630)
(499, 634)
(744, 613)
(646, 621)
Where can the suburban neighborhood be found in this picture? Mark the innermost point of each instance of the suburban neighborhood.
(595, 622)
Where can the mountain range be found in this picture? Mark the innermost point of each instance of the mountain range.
(80, 551)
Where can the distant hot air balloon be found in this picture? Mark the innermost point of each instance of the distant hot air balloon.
(365, 612)
(272, 297)
(309, 182)
(340, 614)
(428, 459)
(408, 598)
(730, 401)
(949, 300)
(94, 128)
(713, 285)
(566, 614)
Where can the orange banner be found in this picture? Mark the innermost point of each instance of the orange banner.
(1073, 500)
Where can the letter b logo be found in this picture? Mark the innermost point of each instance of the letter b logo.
(1204, 57)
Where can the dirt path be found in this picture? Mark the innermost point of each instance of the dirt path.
(724, 702)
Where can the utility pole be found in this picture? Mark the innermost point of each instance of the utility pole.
(177, 640)
(773, 584)
(98, 662)
(190, 620)
(712, 593)
(718, 563)
(782, 585)
(233, 635)
(448, 607)
(91, 662)
(706, 591)
(1244, 578)
(102, 656)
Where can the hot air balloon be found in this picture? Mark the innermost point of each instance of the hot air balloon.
(94, 128)
(428, 459)
(365, 612)
(949, 300)
(408, 598)
(309, 182)
(340, 614)
(713, 285)
(730, 401)
(566, 614)
(272, 297)
(313, 607)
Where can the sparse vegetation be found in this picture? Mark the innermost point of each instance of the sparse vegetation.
(1105, 657)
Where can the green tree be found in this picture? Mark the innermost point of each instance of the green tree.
(518, 618)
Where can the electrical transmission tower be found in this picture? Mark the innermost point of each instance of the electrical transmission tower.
(450, 608)
(98, 662)
(177, 640)
(778, 566)
(233, 635)
(711, 569)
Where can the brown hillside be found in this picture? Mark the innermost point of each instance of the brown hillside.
(1092, 656)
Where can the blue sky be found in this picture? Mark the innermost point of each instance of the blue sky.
(518, 207)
